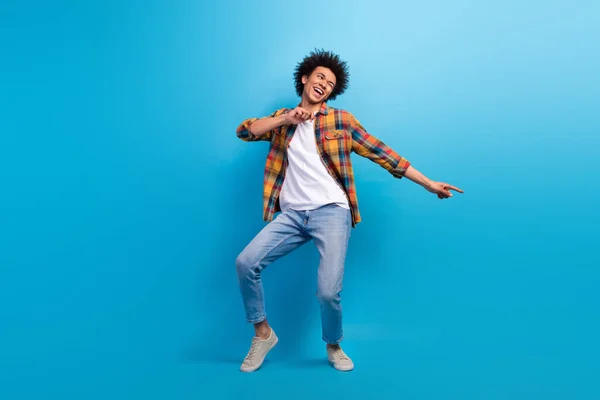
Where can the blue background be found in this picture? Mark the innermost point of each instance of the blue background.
(126, 197)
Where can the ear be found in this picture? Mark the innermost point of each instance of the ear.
(304, 79)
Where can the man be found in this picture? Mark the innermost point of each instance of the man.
(309, 178)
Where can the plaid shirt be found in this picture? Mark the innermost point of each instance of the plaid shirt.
(338, 134)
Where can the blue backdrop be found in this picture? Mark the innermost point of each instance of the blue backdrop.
(126, 198)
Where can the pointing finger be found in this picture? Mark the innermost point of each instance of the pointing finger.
(450, 187)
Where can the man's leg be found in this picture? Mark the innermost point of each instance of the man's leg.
(330, 227)
(281, 236)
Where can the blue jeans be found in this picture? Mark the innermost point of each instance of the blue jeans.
(329, 227)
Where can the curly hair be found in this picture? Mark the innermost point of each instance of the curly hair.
(327, 59)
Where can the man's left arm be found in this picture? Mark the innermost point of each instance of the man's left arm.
(368, 146)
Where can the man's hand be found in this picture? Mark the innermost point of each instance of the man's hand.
(442, 189)
(298, 115)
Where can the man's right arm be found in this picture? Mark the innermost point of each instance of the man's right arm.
(261, 129)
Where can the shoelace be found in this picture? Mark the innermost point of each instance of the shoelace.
(253, 348)
(340, 355)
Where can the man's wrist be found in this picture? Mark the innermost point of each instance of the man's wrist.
(282, 120)
(418, 178)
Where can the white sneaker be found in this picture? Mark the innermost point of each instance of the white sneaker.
(339, 359)
(258, 351)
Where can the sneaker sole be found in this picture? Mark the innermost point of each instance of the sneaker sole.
(343, 369)
(263, 359)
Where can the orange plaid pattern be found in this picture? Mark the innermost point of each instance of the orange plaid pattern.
(338, 133)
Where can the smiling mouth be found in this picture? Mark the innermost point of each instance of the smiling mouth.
(319, 91)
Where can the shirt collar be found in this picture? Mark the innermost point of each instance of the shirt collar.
(324, 109)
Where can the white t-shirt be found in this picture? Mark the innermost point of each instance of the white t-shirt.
(308, 185)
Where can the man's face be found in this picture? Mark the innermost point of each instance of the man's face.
(319, 85)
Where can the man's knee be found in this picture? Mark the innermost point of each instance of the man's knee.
(241, 263)
(244, 264)
(328, 296)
